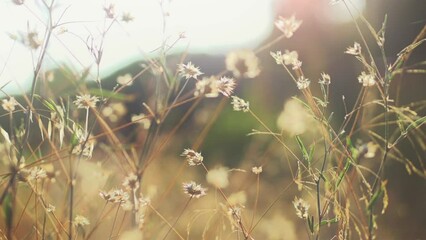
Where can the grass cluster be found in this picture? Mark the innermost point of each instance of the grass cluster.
(79, 165)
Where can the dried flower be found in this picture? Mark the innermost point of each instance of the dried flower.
(368, 150)
(355, 50)
(50, 208)
(325, 79)
(226, 86)
(189, 70)
(218, 177)
(131, 182)
(208, 86)
(194, 158)
(110, 11)
(257, 170)
(194, 190)
(86, 101)
(290, 57)
(9, 105)
(36, 173)
(296, 64)
(243, 63)
(288, 25)
(115, 196)
(125, 80)
(367, 80)
(32, 40)
(81, 221)
(277, 56)
(302, 83)
(301, 207)
(88, 145)
(142, 119)
(239, 104)
(127, 17)
(294, 118)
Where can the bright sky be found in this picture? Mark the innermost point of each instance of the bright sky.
(211, 27)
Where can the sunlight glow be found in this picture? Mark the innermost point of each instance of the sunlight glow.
(209, 27)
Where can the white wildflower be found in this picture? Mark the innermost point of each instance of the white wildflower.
(9, 105)
(278, 56)
(81, 221)
(367, 80)
(131, 182)
(194, 158)
(301, 207)
(302, 83)
(194, 190)
(189, 70)
(288, 25)
(142, 119)
(355, 50)
(218, 177)
(239, 104)
(86, 101)
(226, 86)
(243, 63)
(125, 80)
(325, 79)
(257, 170)
(290, 57)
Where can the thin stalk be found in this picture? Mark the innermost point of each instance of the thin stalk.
(113, 223)
(177, 219)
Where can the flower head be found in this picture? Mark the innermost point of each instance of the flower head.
(127, 17)
(278, 56)
(239, 104)
(325, 79)
(288, 25)
(243, 63)
(290, 57)
(81, 221)
(115, 196)
(189, 70)
(208, 86)
(194, 190)
(36, 173)
(194, 158)
(218, 177)
(297, 64)
(257, 170)
(9, 105)
(226, 86)
(302, 83)
(110, 11)
(367, 80)
(125, 80)
(142, 119)
(294, 119)
(355, 50)
(131, 182)
(301, 207)
(86, 101)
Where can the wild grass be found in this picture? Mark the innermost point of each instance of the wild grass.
(79, 165)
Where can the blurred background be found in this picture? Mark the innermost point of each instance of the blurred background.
(204, 31)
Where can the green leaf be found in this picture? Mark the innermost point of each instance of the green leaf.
(7, 209)
(303, 149)
(109, 94)
(328, 221)
(343, 173)
(311, 224)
